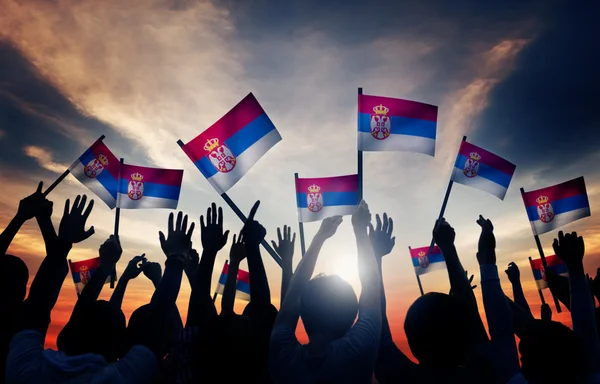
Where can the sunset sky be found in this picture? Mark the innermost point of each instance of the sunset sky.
(515, 77)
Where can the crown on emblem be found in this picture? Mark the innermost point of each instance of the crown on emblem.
(103, 159)
(475, 156)
(380, 110)
(542, 200)
(422, 253)
(83, 268)
(137, 176)
(211, 144)
(314, 188)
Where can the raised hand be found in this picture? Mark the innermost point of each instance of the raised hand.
(237, 253)
(285, 245)
(152, 271)
(361, 218)
(253, 231)
(514, 276)
(546, 312)
(134, 267)
(570, 248)
(487, 242)
(211, 233)
(381, 236)
(72, 226)
(33, 204)
(329, 226)
(443, 234)
(471, 280)
(110, 252)
(178, 243)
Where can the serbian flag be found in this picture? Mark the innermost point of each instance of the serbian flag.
(242, 286)
(143, 187)
(483, 170)
(552, 207)
(539, 274)
(424, 263)
(82, 272)
(98, 169)
(231, 146)
(319, 198)
(387, 124)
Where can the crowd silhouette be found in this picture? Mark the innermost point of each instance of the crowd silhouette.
(350, 340)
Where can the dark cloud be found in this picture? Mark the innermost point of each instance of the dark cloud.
(545, 115)
(33, 112)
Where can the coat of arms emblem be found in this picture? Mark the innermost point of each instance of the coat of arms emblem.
(544, 209)
(84, 274)
(135, 188)
(381, 124)
(220, 155)
(472, 165)
(423, 260)
(314, 198)
(95, 166)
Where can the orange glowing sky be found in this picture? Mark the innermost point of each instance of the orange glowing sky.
(146, 73)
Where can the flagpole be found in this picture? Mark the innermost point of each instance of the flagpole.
(300, 225)
(217, 288)
(444, 203)
(542, 256)
(539, 290)
(242, 217)
(113, 275)
(416, 274)
(360, 152)
(64, 175)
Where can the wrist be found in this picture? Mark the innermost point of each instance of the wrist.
(175, 260)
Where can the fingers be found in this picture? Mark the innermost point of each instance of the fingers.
(184, 223)
(220, 217)
(241, 237)
(253, 210)
(473, 287)
(39, 187)
(390, 226)
(385, 222)
(213, 218)
(89, 233)
(170, 224)
(371, 228)
(179, 221)
(378, 221)
(274, 244)
(279, 237)
(555, 246)
(82, 204)
(561, 237)
(393, 241)
(88, 210)
(67, 207)
(294, 239)
(234, 236)
(287, 232)
(76, 203)
(190, 231)
(161, 238)
(226, 235)
(202, 225)
(208, 216)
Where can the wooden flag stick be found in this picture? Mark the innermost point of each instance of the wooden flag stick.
(359, 153)
(539, 290)
(542, 256)
(242, 217)
(416, 274)
(113, 276)
(300, 227)
(63, 175)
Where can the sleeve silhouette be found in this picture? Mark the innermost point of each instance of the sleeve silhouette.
(570, 249)
(497, 309)
(132, 271)
(260, 293)
(459, 283)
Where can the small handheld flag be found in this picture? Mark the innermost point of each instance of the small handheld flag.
(423, 263)
(144, 187)
(242, 286)
(552, 207)
(539, 273)
(82, 272)
(483, 170)
(388, 124)
(319, 198)
(98, 169)
(227, 150)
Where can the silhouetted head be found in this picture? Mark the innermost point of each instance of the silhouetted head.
(328, 306)
(98, 328)
(140, 323)
(438, 330)
(13, 281)
(550, 353)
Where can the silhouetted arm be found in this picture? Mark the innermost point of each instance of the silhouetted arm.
(285, 249)
(559, 286)
(260, 293)
(520, 318)
(228, 299)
